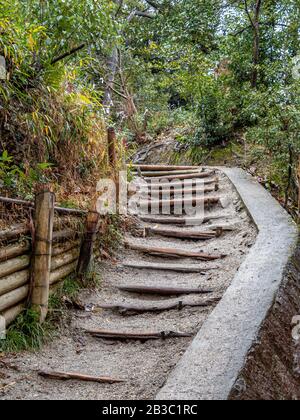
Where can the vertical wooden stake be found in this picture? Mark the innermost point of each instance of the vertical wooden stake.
(42, 250)
(87, 246)
(298, 176)
(111, 141)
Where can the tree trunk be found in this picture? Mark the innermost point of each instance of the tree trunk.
(256, 45)
(112, 65)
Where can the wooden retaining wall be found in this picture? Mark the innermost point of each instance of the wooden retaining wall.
(16, 257)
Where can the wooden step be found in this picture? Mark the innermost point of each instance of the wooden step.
(163, 167)
(180, 192)
(194, 201)
(177, 183)
(184, 234)
(179, 268)
(143, 335)
(158, 174)
(198, 175)
(138, 308)
(173, 252)
(164, 291)
(181, 221)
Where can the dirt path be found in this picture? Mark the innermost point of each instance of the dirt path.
(143, 365)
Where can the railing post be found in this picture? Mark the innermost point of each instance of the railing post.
(42, 250)
(87, 245)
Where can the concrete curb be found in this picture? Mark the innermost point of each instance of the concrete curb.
(210, 368)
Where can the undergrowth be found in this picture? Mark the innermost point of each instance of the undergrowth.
(26, 333)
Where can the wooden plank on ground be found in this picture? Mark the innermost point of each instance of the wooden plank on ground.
(144, 335)
(179, 268)
(164, 291)
(173, 252)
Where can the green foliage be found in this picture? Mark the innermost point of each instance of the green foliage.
(26, 333)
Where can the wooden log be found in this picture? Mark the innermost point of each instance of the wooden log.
(14, 232)
(144, 335)
(188, 192)
(198, 175)
(14, 251)
(41, 264)
(64, 235)
(179, 268)
(87, 246)
(183, 201)
(163, 291)
(162, 167)
(125, 309)
(183, 234)
(66, 376)
(62, 272)
(64, 259)
(178, 183)
(13, 298)
(68, 246)
(11, 314)
(158, 174)
(173, 252)
(14, 281)
(58, 209)
(169, 220)
(14, 265)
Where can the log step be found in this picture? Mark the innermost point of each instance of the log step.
(177, 183)
(158, 174)
(184, 234)
(182, 201)
(132, 309)
(144, 336)
(179, 268)
(164, 291)
(198, 175)
(182, 220)
(173, 252)
(180, 192)
(163, 167)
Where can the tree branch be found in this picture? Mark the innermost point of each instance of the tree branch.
(153, 4)
(68, 54)
(248, 13)
(144, 14)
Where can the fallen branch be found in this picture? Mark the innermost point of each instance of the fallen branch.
(66, 376)
(117, 335)
(164, 291)
(173, 252)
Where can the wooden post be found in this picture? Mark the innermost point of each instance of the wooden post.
(298, 176)
(42, 249)
(111, 142)
(87, 246)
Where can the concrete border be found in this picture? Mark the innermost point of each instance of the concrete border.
(210, 368)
